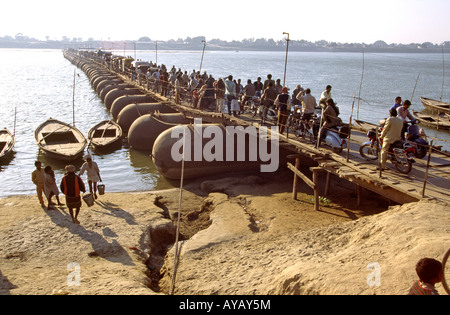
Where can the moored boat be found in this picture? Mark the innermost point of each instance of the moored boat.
(7, 142)
(60, 140)
(439, 122)
(435, 105)
(363, 125)
(105, 134)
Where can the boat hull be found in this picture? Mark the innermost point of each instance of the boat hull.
(105, 134)
(433, 121)
(435, 105)
(7, 142)
(59, 140)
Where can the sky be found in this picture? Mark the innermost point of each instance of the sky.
(344, 21)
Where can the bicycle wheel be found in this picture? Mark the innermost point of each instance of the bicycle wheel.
(446, 272)
(310, 136)
(369, 152)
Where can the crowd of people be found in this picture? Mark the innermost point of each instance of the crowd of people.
(203, 91)
(71, 185)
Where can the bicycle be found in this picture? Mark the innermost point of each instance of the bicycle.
(304, 128)
(444, 280)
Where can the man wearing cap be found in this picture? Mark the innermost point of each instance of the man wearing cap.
(71, 186)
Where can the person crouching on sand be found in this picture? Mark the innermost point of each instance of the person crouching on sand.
(93, 174)
(71, 185)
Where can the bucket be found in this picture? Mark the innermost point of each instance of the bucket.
(101, 188)
(88, 199)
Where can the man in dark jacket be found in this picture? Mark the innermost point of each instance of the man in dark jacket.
(71, 186)
(267, 100)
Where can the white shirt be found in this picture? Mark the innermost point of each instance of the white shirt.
(230, 88)
(308, 103)
(404, 113)
(325, 95)
(91, 171)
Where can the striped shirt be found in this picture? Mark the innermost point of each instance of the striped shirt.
(421, 288)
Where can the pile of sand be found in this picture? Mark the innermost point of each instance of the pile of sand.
(239, 236)
(373, 255)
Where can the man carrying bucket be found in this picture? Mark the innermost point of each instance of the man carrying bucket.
(71, 186)
(93, 174)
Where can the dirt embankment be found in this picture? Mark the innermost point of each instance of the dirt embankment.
(239, 235)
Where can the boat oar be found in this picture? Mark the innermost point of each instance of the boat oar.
(415, 87)
(107, 126)
(15, 116)
(43, 138)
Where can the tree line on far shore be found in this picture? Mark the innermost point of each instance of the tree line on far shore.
(195, 43)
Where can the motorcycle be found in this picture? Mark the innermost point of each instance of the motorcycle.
(271, 115)
(254, 105)
(417, 139)
(400, 153)
(293, 120)
(336, 138)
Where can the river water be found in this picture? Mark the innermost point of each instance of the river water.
(39, 84)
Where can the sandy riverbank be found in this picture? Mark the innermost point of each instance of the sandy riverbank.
(240, 235)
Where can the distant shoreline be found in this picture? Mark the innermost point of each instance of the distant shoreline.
(185, 47)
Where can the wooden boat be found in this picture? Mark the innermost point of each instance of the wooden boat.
(436, 105)
(7, 142)
(441, 122)
(363, 125)
(105, 134)
(60, 140)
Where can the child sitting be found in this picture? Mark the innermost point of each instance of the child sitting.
(430, 272)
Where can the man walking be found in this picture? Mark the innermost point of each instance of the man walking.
(38, 179)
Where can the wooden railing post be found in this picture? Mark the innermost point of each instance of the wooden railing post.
(428, 166)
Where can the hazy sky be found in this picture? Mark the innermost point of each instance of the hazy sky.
(345, 21)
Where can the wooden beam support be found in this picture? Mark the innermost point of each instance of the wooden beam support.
(298, 173)
(358, 194)
(316, 188)
(296, 170)
(327, 184)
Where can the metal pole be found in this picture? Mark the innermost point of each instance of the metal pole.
(443, 72)
(360, 84)
(73, 96)
(203, 53)
(412, 96)
(285, 62)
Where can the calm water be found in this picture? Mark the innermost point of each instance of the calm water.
(39, 83)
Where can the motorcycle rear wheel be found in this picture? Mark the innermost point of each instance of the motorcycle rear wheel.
(421, 152)
(403, 167)
(368, 152)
